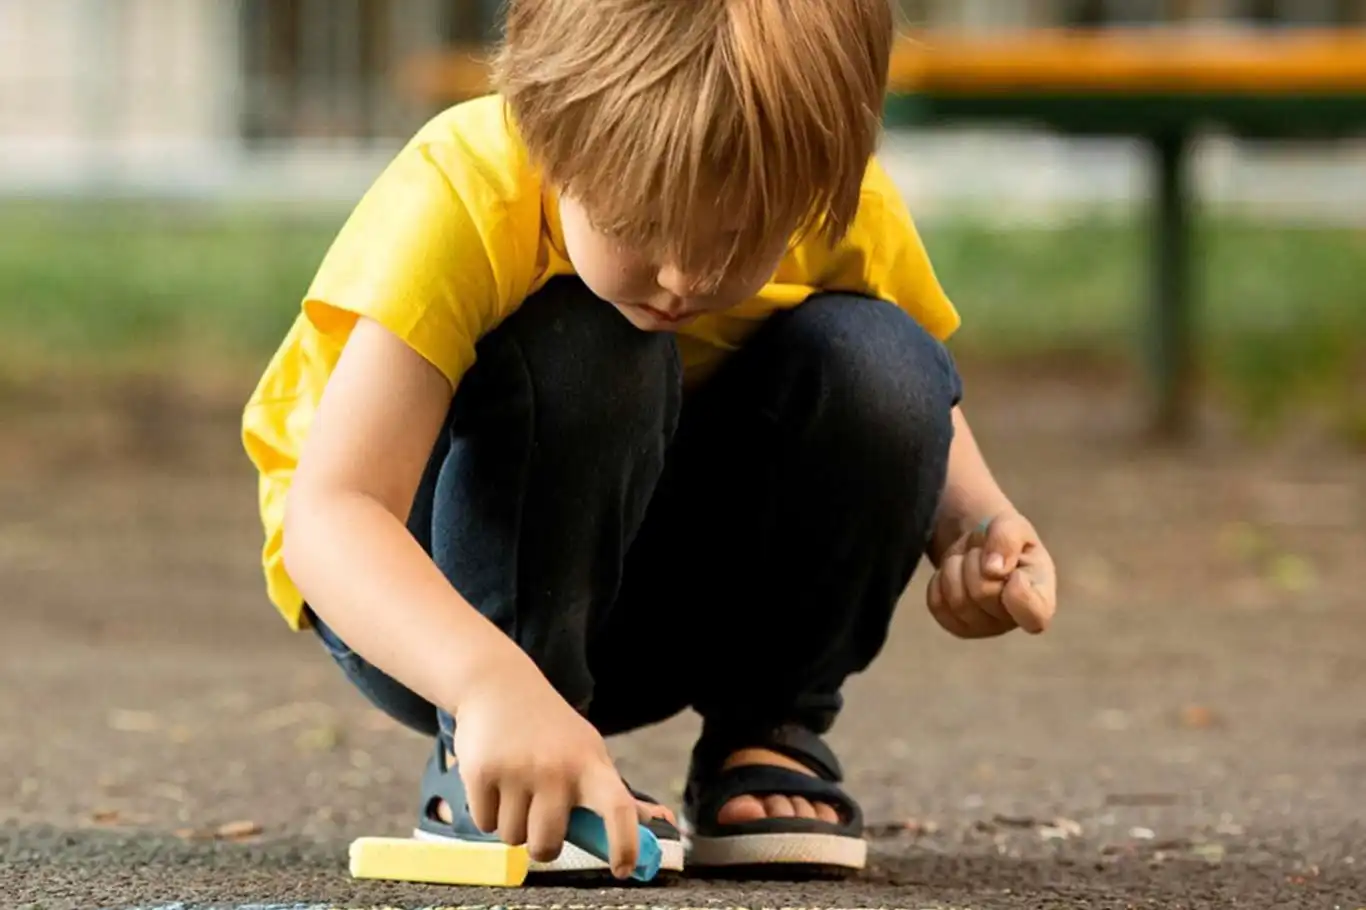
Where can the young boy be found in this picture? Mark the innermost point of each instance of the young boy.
(622, 392)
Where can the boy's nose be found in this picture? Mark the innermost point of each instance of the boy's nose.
(679, 285)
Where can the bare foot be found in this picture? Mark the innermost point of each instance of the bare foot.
(753, 808)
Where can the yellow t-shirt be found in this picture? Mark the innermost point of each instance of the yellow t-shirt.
(458, 231)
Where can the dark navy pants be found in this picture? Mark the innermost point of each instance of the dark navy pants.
(738, 551)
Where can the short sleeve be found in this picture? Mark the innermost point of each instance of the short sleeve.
(883, 256)
(418, 258)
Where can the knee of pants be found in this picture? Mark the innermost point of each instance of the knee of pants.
(592, 376)
(883, 382)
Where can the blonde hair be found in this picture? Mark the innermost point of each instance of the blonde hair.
(701, 128)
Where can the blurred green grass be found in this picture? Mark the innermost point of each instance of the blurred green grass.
(110, 281)
(1283, 308)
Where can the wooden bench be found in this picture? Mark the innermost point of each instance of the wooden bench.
(1163, 85)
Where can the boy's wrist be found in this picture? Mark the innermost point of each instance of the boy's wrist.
(955, 523)
(500, 665)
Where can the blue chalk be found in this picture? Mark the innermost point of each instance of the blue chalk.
(588, 833)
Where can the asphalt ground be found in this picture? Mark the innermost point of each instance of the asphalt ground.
(1192, 734)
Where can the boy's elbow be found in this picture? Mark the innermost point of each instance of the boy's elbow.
(296, 533)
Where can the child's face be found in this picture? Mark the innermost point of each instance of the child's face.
(654, 296)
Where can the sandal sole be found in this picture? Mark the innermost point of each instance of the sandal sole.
(767, 855)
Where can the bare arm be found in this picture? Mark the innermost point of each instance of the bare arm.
(971, 494)
(525, 755)
(994, 573)
(346, 542)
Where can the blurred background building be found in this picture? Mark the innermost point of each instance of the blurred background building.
(288, 99)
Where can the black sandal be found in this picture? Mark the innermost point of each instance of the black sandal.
(771, 847)
(441, 783)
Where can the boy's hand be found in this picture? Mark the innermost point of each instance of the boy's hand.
(995, 579)
(527, 758)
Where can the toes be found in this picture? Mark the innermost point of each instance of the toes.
(827, 813)
(779, 806)
(802, 807)
(443, 812)
(648, 812)
(741, 810)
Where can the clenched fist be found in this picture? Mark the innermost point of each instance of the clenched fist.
(995, 579)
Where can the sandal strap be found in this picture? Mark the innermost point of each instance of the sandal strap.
(791, 740)
(767, 780)
(440, 782)
(710, 788)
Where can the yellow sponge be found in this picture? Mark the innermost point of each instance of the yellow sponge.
(409, 860)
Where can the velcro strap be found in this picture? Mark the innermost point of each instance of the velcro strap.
(766, 780)
(789, 740)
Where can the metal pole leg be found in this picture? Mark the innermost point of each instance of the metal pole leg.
(1171, 336)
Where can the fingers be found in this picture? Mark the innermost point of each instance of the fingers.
(941, 611)
(951, 579)
(513, 807)
(1003, 541)
(546, 825)
(606, 795)
(1027, 605)
(999, 578)
(962, 619)
(482, 795)
(984, 592)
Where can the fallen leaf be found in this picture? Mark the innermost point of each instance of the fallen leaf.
(1051, 832)
(1068, 827)
(1198, 717)
(1142, 833)
(126, 721)
(105, 816)
(1213, 853)
(324, 738)
(195, 834)
(1291, 574)
(239, 830)
(911, 827)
